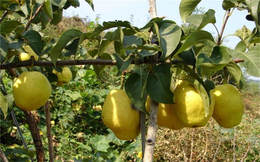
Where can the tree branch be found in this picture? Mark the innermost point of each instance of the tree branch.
(151, 132)
(36, 12)
(223, 27)
(70, 62)
(36, 136)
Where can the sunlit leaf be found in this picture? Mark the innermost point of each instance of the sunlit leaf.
(47, 8)
(202, 20)
(187, 7)
(254, 9)
(236, 73)
(170, 35)
(241, 46)
(251, 60)
(195, 37)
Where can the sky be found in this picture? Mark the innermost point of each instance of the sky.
(136, 12)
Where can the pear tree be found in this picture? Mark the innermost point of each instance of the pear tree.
(150, 59)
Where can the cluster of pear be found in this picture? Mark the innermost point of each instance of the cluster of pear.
(227, 108)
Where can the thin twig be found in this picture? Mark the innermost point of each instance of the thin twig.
(49, 134)
(3, 16)
(36, 12)
(223, 27)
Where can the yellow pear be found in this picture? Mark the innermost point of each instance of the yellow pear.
(165, 116)
(229, 106)
(31, 90)
(64, 76)
(189, 107)
(24, 56)
(119, 116)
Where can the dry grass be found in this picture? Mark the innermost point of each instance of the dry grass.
(214, 143)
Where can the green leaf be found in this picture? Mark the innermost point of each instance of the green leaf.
(170, 35)
(188, 57)
(35, 41)
(7, 27)
(208, 84)
(236, 72)
(3, 47)
(254, 9)
(135, 89)
(228, 4)
(251, 60)
(63, 41)
(72, 48)
(187, 7)
(100, 143)
(243, 33)
(3, 104)
(122, 64)
(241, 46)
(219, 58)
(202, 20)
(195, 37)
(152, 47)
(90, 2)
(57, 16)
(158, 84)
(117, 35)
(47, 8)
(132, 40)
(112, 24)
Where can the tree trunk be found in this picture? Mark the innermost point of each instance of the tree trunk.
(36, 136)
(152, 123)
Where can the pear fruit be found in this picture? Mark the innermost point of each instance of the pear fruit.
(189, 107)
(24, 56)
(229, 106)
(119, 116)
(64, 76)
(31, 90)
(165, 116)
